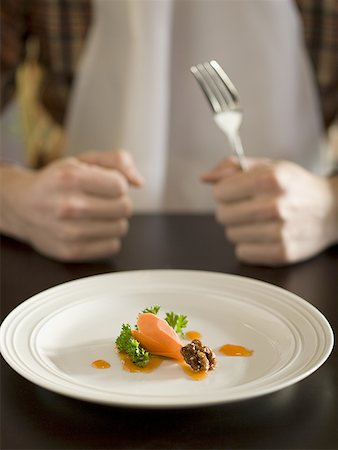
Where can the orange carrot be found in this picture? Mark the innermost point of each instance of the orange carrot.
(157, 336)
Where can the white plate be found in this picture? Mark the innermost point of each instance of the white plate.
(52, 338)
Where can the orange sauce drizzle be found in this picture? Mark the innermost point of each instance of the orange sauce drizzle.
(100, 364)
(196, 376)
(156, 361)
(193, 335)
(235, 350)
(129, 366)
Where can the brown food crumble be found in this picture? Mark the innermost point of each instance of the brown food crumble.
(199, 357)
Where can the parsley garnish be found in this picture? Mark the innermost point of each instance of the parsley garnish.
(152, 309)
(177, 321)
(126, 343)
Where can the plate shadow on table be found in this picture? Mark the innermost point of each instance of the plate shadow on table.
(235, 425)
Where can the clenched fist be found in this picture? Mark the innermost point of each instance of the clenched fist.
(75, 209)
(275, 212)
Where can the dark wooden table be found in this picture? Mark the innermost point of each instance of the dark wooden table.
(303, 416)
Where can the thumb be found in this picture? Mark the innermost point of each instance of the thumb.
(120, 160)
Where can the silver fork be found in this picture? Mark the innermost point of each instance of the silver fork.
(224, 101)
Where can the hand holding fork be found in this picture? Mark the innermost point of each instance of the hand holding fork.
(264, 209)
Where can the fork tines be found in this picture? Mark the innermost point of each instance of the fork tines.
(216, 85)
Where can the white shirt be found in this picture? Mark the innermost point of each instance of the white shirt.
(135, 91)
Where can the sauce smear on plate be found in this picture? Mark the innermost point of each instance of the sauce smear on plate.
(235, 350)
(193, 335)
(129, 366)
(100, 364)
(197, 376)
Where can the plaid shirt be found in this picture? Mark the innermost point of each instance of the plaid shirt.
(61, 26)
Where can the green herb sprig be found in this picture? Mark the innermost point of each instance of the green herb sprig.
(152, 309)
(177, 322)
(126, 343)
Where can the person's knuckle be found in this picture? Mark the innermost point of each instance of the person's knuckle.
(282, 232)
(69, 161)
(64, 209)
(280, 254)
(281, 175)
(290, 252)
(283, 253)
(270, 180)
(66, 234)
(271, 210)
(219, 214)
(68, 174)
(115, 246)
(230, 234)
(274, 210)
(240, 252)
(120, 184)
(279, 209)
(284, 171)
(69, 207)
(122, 227)
(74, 251)
(126, 207)
(122, 157)
(68, 252)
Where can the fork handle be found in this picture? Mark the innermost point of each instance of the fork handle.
(238, 148)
